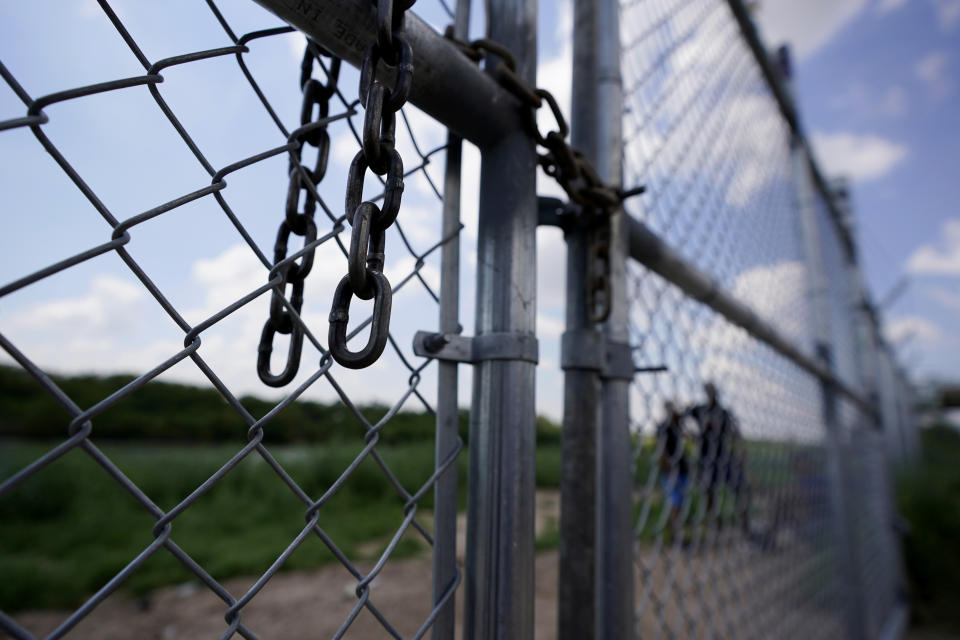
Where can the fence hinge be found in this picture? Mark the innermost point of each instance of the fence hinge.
(489, 346)
(589, 350)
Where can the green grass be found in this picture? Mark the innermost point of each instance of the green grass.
(928, 496)
(67, 530)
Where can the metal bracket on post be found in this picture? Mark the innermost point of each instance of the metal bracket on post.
(554, 212)
(589, 350)
(490, 346)
(619, 364)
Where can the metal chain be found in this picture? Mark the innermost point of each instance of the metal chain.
(365, 278)
(316, 96)
(565, 164)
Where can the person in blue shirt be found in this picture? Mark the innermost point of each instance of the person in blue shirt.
(674, 466)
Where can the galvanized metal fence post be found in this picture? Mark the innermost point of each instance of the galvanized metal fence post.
(576, 614)
(835, 440)
(615, 545)
(448, 440)
(886, 594)
(718, 586)
(499, 583)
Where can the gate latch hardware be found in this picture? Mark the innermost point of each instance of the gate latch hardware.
(490, 346)
(590, 350)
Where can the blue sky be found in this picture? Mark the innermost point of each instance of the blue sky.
(879, 88)
(878, 83)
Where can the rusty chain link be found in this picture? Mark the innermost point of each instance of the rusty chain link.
(365, 278)
(761, 561)
(565, 164)
(316, 95)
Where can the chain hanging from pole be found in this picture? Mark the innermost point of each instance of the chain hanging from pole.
(365, 278)
(302, 181)
(594, 199)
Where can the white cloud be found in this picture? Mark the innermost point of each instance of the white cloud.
(551, 268)
(943, 260)
(726, 353)
(112, 326)
(930, 68)
(865, 101)
(554, 72)
(948, 13)
(228, 276)
(90, 9)
(886, 6)
(809, 25)
(106, 306)
(894, 102)
(855, 96)
(756, 123)
(946, 297)
(912, 328)
(667, 143)
(296, 42)
(861, 157)
(343, 147)
(548, 326)
(932, 71)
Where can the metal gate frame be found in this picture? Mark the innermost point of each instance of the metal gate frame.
(596, 570)
(498, 585)
(596, 589)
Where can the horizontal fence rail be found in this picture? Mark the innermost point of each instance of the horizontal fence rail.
(173, 177)
(761, 487)
(650, 251)
(479, 110)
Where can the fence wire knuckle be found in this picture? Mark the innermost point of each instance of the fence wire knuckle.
(756, 498)
(322, 106)
(738, 538)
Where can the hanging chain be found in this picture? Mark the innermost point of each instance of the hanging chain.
(568, 166)
(370, 222)
(302, 182)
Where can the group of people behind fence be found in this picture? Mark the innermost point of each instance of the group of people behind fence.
(720, 456)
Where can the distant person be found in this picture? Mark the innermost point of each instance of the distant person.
(721, 459)
(809, 509)
(674, 467)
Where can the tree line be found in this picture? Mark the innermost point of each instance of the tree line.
(179, 412)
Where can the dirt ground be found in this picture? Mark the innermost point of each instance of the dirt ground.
(293, 606)
(297, 605)
(313, 604)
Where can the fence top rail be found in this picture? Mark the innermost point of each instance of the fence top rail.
(446, 84)
(787, 107)
(651, 251)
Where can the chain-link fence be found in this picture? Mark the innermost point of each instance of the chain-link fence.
(173, 179)
(762, 510)
(290, 173)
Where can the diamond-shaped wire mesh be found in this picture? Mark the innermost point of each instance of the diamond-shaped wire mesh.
(135, 113)
(736, 533)
(735, 521)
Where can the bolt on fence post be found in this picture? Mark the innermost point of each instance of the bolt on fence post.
(614, 512)
(448, 411)
(837, 471)
(499, 585)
